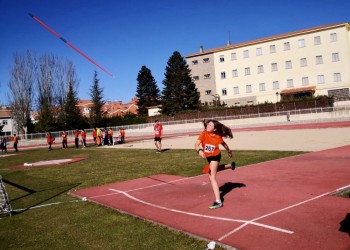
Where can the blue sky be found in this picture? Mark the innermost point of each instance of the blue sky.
(122, 36)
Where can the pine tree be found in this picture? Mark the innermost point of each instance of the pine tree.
(73, 116)
(96, 95)
(46, 120)
(148, 93)
(180, 93)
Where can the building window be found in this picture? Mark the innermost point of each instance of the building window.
(317, 40)
(247, 71)
(275, 85)
(222, 58)
(4, 122)
(301, 43)
(234, 73)
(290, 83)
(233, 56)
(235, 90)
(260, 69)
(319, 60)
(272, 49)
(335, 57)
(205, 60)
(273, 66)
(259, 51)
(207, 76)
(262, 86)
(303, 62)
(333, 37)
(288, 64)
(305, 81)
(224, 92)
(223, 75)
(286, 46)
(237, 104)
(246, 54)
(320, 79)
(248, 88)
(194, 62)
(195, 78)
(337, 77)
(208, 92)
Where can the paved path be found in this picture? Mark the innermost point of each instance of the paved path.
(301, 137)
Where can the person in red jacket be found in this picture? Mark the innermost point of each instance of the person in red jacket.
(94, 135)
(207, 146)
(158, 130)
(49, 140)
(15, 142)
(76, 138)
(83, 137)
(64, 139)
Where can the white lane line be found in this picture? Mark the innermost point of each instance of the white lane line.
(146, 187)
(278, 211)
(202, 215)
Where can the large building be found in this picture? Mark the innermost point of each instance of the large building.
(308, 62)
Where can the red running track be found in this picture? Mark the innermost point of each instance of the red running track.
(280, 204)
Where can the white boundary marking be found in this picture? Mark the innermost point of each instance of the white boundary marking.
(45, 205)
(250, 222)
(202, 215)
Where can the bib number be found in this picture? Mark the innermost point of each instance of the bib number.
(209, 148)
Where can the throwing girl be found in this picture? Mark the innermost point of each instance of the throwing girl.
(207, 146)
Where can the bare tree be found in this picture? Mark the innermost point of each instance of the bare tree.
(66, 80)
(21, 88)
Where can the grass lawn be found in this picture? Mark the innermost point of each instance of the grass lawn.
(74, 224)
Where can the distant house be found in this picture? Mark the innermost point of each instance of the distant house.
(6, 120)
(110, 108)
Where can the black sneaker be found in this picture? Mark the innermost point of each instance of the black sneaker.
(216, 205)
(233, 165)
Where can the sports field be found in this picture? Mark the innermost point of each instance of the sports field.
(47, 217)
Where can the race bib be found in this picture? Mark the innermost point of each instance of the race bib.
(208, 148)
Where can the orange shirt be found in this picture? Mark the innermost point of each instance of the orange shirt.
(158, 130)
(49, 138)
(83, 135)
(76, 134)
(210, 143)
(15, 139)
(64, 136)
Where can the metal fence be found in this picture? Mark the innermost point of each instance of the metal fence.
(146, 129)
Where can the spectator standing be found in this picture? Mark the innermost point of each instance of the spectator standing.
(105, 139)
(83, 137)
(64, 140)
(3, 144)
(94, 135)
(49, 140)
(76, 138)
(122, 135)
(98, 138)
(110, 133)
(15, 142)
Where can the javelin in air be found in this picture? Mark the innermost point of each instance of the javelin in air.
(68, 43)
